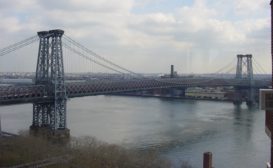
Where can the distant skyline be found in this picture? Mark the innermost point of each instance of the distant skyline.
(197, 36)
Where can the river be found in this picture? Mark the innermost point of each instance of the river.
(180, 130)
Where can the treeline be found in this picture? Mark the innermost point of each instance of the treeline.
(85, 152)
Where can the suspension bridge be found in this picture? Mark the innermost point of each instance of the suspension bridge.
(51, 89)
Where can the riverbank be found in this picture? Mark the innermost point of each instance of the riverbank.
(79, 152)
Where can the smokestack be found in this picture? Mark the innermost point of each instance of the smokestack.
(172, 71)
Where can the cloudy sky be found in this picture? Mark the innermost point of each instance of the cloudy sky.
(197, 36)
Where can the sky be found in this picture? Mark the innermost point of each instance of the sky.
(147, 36)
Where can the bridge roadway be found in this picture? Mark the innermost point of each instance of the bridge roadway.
(27, 93)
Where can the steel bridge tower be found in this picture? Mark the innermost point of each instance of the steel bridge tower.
(244, 71)
(49, 115)
(244, 68)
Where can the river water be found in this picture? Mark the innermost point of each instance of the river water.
(180, 130)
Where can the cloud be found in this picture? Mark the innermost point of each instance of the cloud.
(250, 5)
(193, 36)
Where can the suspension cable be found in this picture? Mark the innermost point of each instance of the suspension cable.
(230, 70)
(256, 68)
(227, 67)
(90, 59)
(70, 40)
(18, 45)
(259, 65)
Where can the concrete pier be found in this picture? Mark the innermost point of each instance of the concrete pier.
(59, 135)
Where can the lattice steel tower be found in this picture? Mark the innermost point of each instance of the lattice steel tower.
(50, 114)
(244, 67)
(244, 71)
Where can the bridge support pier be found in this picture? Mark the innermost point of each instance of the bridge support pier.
(46, 132)
(237, 98)
(45, 119)
(244, 95)
(251, 97)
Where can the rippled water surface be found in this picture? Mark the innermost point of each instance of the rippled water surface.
(179, 129)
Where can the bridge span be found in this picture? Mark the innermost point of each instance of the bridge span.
(13, 94)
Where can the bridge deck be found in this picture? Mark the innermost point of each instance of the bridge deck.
(14, 94)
